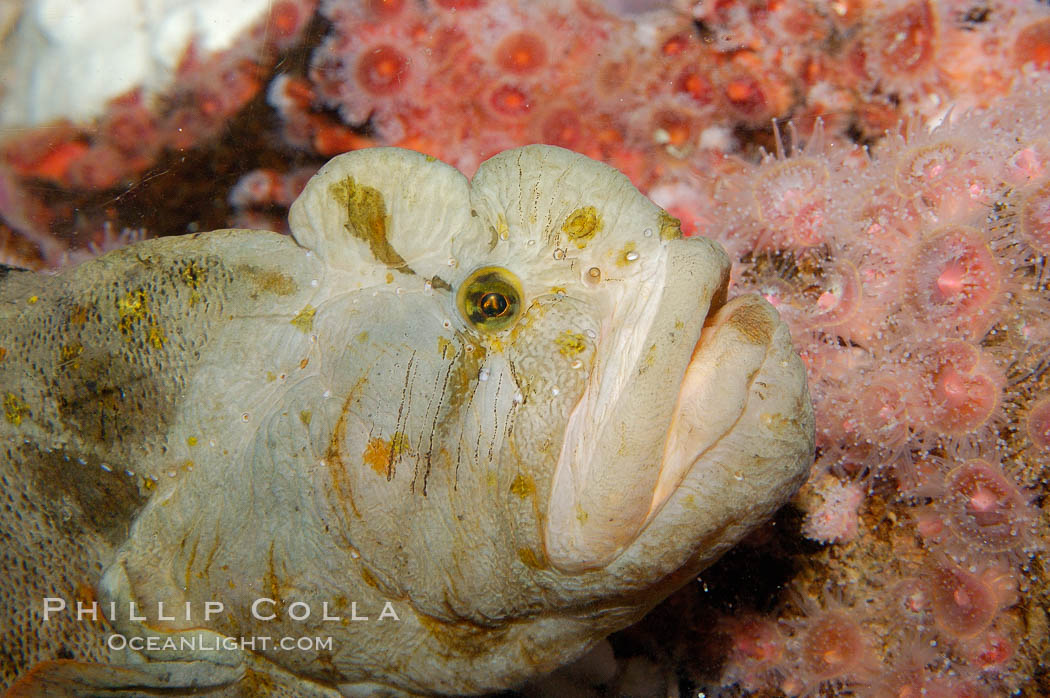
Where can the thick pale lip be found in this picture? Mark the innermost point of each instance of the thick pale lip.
(714, 391)
(681, 452)
(677, 461)
(611, 476)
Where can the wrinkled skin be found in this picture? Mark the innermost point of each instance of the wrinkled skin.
(239, 415)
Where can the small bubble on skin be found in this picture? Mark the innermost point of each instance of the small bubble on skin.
(555, 391)
(590, 333)
(245, 417)
(483, 374)
(518, 398)
(107, 468)
(452, 261)
(326, 394)
(577, 364)
(428, 288)
(446, 324)
(172, 473)
(559, 253)
(309, 253)
(504, 235)
(313, 282)
(530, 243)
(129, 473)
(648, 232)
(631, 256)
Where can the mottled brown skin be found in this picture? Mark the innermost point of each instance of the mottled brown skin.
(329, 419)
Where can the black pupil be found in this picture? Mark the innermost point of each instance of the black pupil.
(493, 304)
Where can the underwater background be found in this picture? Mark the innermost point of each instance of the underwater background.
(878, 169)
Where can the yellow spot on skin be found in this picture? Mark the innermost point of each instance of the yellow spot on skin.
(148, 483)
(191, 441)
(32, 300)
(491, 480)
(3, 353)
(558, 289)
(678, 324)
(529, 558)
(363, 337)
(15, 409)
(304, 320)
(523, 486)
(305, 416)
(192, 274)
(271, 376)
(445, 347)
(399, 443)
(133, 306)
(390, 277)
(649, 359)
(582, 225)
(304, 362)
(69, 355)
(621, 258)
(156, 336)
(570, 343)
(367, 220)
(581, 515)
(670, 227)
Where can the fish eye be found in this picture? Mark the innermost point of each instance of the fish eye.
(494, 304)
(490, 299)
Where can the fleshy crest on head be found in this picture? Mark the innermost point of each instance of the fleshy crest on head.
(552, 205)
(384, 210)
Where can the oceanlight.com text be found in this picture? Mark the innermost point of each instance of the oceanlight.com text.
(209, 642)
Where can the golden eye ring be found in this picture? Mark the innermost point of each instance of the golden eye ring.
(490, 299)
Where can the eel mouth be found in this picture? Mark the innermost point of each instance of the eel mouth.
(681, 449)
(714, 391)
(575, 544)
(651, 409)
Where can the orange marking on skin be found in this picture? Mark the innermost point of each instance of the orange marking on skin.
(377, 454)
